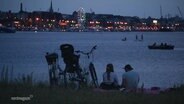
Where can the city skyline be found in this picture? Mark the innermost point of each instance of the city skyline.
(140, 8)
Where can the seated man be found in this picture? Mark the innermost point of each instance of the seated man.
(130, 79)
(110, 80)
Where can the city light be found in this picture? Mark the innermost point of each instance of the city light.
(16, 22)
(155, 21)
(37, 19)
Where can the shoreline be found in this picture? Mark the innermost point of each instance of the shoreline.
(98, 31)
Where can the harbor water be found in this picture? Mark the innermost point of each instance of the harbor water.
(25, 53)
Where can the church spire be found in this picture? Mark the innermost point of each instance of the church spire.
(51, 8)
(21, 7)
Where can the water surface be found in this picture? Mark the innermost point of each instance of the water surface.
(25, 51)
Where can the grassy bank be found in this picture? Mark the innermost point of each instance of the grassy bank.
(42, 94)
(23, 90)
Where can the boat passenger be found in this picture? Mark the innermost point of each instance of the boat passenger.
(136, 37)
(142, 37)
(110, 80)
(154, 44)
(161, 44)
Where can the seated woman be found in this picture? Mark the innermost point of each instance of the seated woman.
(110, 80)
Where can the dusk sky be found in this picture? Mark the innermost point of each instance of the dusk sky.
(141, 8)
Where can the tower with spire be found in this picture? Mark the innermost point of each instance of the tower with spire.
(51, 8)
(21, 7)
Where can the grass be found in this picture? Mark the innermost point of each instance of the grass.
(57, 95)
(40, 93)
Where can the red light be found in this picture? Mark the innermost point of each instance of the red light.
(37, 19)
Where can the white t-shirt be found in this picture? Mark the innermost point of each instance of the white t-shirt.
(113, 78)
(132, 79)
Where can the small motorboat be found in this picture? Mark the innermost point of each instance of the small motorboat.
(161, 47)
(124, 39)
